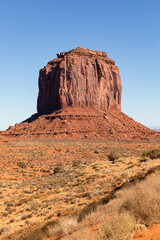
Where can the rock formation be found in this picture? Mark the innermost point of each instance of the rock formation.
(79, 97)
(79, 78)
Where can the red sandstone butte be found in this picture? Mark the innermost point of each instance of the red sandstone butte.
(79, 78)
(79, 97)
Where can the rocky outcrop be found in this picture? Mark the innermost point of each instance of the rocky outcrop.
(79, 78)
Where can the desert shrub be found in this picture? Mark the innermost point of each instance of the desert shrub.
(145, 154)
(64, 226)
(134, 165)
(57, 169)
(112, 157)
(67, 224)
(153, 154)
(94, 166)
(22, 164)
(119, 227)
(142, 201)
(96, 152)
(143, 159)
(87, 210)
(76, 163)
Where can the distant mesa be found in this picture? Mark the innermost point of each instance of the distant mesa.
(157, 129)
(80, 97)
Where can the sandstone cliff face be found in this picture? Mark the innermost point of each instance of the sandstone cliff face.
(79, 78)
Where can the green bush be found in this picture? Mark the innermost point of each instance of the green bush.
(112, 157)
(96, 152)
(153, 154)
(22, 164)
(144, 159)
(57, 169)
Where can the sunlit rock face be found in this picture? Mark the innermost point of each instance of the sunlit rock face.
(79, 78)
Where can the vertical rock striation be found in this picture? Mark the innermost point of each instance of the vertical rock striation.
(79, 78)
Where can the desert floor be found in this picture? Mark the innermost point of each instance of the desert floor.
(43, 180)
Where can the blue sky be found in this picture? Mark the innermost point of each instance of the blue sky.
(32, 32)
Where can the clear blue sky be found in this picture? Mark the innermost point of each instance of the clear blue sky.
(33, 31)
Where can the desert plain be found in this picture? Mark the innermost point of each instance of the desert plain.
(45, 180)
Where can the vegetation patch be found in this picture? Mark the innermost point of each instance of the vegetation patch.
(112, 157)
(153, 154)
(119, 227)
(22, 164)
(142, 201)
(57, 168)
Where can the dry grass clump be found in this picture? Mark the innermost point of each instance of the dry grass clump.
(136, 207)
(142, 201)
(119, 227)
(65, 226)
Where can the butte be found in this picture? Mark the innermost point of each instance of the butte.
(80, 97)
